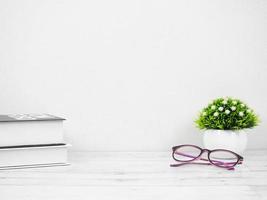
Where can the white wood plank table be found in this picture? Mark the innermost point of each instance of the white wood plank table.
(130, 175)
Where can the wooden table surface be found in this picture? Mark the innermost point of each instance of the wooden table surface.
(136, 175)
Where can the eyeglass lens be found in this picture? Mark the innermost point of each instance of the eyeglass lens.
(186, 153)
(223, 158)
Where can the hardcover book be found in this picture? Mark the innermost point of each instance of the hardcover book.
(30, 129)
(28, 156)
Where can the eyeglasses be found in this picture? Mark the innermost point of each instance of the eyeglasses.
(187, 154)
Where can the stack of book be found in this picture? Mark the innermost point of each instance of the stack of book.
(31, 140)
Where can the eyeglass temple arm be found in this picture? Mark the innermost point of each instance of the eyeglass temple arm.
(195, 163)
(215, 161)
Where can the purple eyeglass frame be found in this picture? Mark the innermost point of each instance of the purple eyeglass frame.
(210, 161)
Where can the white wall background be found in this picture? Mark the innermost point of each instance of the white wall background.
(132, 75)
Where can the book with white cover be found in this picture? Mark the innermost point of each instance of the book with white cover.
(26, 129)
(27, 156)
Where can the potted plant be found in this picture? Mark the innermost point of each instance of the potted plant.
(225, 121)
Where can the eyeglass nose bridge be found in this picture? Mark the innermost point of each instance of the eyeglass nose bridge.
(205, 150)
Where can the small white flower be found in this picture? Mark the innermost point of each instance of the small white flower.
(204, 113)
(241, 114)
(220, 108)
(234, 102)
(227, 112)
(242, 105)
(213, 107)
(224, 101)
(215, 114)
(233, 108)
(248, 111)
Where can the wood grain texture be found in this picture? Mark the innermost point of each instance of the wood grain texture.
(136, 175)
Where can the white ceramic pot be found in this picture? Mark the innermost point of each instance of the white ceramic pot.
(235, 141)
